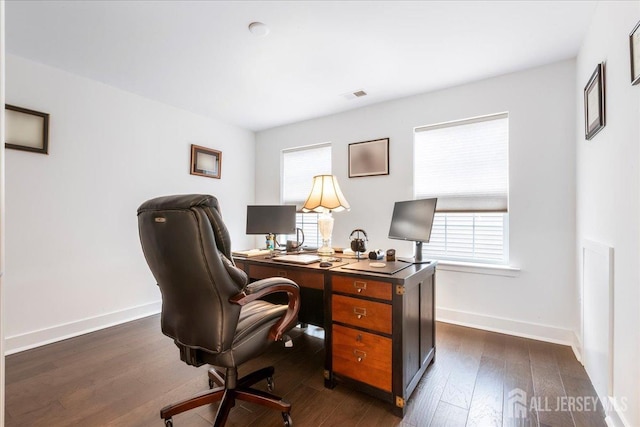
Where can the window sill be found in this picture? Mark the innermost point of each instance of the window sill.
(474, 268)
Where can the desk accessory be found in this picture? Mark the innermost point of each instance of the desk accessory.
(357, 243)
(387, 268)
(297, 259)
(296, 245)
(391, 254)
(325, 197)
(250, 253)
(376, 255)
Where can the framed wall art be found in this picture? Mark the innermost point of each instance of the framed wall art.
(634, 49)
(205, 161)
(369, 158)
(26, 130)
(594, 111)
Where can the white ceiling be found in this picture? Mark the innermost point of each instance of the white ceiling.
(200, 56)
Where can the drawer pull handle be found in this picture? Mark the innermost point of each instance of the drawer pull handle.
(359, 312)
(360, 286)
(360, 355)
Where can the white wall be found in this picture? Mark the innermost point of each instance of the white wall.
(2, 231)
(540, 300)
(73, 257)
(608, 185)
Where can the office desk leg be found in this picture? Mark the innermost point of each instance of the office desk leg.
(329, 380)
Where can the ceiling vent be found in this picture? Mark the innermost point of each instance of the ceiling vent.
(355, 94)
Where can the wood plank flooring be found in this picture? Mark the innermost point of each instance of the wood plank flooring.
(122, 376)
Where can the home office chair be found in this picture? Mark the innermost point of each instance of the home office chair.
(209, 308)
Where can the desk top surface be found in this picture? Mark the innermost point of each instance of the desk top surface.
(337, 267)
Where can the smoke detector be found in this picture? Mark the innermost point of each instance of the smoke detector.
(258, 29)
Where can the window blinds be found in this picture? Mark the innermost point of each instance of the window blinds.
(299, 166)
(465, 164)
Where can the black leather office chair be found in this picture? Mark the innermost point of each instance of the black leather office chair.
(208, 307)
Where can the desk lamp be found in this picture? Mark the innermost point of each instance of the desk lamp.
(325, 197)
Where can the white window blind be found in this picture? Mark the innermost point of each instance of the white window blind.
(477, 237)
(465, 165)
(299, 166)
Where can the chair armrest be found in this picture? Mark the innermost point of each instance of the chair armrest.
(260, 288)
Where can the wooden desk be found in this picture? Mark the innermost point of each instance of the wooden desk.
(379, 328)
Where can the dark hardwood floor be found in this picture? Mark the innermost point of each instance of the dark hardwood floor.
(123, 376)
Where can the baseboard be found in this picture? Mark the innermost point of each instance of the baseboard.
(508, 326)
(614, 416)
(26, 341)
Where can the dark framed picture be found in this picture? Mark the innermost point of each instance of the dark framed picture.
(594, 111)
(26, 130)
(634, 49)
(369, 158)
(205, 161)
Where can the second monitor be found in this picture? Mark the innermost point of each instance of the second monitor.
(271, 219)
(413, 220)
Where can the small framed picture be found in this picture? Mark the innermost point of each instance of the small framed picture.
(26, 130)
(369, 158)
(205, 161)
(634, 48)
(594, 111)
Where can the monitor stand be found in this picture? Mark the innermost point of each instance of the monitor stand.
(417, 258)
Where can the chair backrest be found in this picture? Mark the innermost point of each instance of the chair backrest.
(188, 250)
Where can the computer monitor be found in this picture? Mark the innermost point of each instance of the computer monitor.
(413, 220)
(271, 219)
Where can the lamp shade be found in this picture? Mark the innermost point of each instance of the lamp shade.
(325, 195)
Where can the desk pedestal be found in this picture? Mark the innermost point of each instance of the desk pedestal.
(379, 329)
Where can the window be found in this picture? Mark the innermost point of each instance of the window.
(465, 164)
(299, 166)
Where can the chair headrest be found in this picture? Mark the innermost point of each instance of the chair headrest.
(179, 202)
(190, 201)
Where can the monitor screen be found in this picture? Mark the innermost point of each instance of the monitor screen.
(412, 220)
(276, 219)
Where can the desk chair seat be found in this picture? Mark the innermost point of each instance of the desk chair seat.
(209, 308)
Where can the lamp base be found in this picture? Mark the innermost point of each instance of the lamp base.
(325, 225)
(325, 251)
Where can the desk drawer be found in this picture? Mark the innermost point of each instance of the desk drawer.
(362, 287)
(307, 279)
(358, 312)
(362, 356)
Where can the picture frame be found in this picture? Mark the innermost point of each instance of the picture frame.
(26, 130)
(634, 51)
(206, 161)
(594, 103)
(369, 158)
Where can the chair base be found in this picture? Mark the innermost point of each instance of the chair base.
(228, 396)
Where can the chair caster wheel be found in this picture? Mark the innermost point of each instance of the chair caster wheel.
(168, 422)
(211, 384)
(270, 383)
(287, 421)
